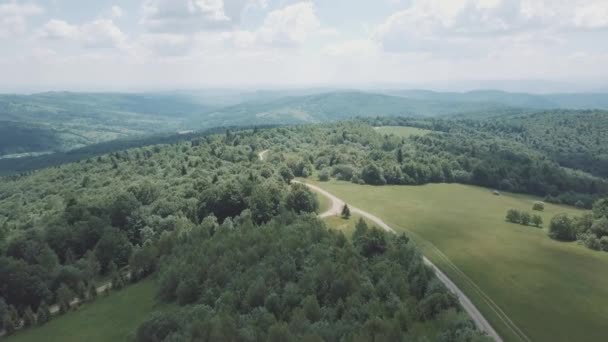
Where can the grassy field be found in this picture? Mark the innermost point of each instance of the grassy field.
(324, 203)
(346, 226)
(112, 318)
(402, 131)
(529, 286)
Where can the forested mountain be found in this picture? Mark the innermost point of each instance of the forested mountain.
(517, 100)
(215, 220)
(574, 139)
(62, 121)
(72, 120)
(344, 105)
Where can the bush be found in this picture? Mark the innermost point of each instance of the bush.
(372, 174)
(538, 206)
(604, 243)
(537, 220)
(592, 242)
(324, 175)
(513, 216)
(561, 228)
(525, 219)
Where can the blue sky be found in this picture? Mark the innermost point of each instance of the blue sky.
(168, 44)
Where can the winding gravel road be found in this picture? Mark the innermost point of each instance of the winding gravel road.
(469, 307)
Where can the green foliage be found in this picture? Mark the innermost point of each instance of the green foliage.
(345, 212)
(525, 219)
(301, 200)
(538, 206)
(537, 220)
(513, 216)
(561, 228)
(292, 279)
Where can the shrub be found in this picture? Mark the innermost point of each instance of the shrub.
(592, 242)
(513, 216)
(324, 175)
(604, 243)
(525, 219)
(537, 220)
(538, 206)
(561, 228)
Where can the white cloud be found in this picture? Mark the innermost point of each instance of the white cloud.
(13, 17)
(290, 25)
(99, 33)
(180, 16)
(592, 15)
(469, 27)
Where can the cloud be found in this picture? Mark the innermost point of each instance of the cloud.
(187, 16)
(469, 27)
(13, 17)
(289, 26)
(97, 34)
(592, 15)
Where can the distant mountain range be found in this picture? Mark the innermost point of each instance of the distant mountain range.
(62, 121)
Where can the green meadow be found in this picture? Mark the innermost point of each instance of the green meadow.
(402, 131)
(530, 287)
(111, 318)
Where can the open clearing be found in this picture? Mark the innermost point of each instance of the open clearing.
(112, 318)
(402, 131)
(528, 286)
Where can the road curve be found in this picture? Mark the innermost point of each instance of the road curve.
(469, 307)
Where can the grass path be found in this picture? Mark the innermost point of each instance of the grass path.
(111, 318)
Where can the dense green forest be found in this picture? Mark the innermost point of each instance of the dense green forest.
(574, 139)
(62, 228)
(521, 153)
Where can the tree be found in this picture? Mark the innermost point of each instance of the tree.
(286, 174)
(3, 311)
(187, 291)
(525, 219)
(92, 266)
(29, 319)
(91, 291)
(64, 297)
(600, 208)
(600, 227)
(604, 243)
(81, 290)
(345, 212)
(361, 229)
(265, 201)
(279, 332)
(113, 246)
(9, 324)
(513, 216)
(143, 260)
(372, 174)
(157, 327)
(538, 206)
(311, 308)
(537, 220)
(300, 199)
(561, 228)
(43, 314)
(324, 175)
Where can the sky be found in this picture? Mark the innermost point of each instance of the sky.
(170, 44)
